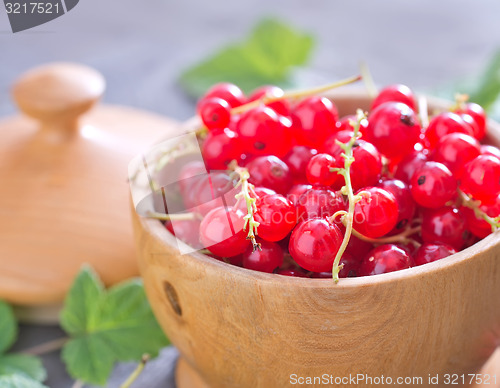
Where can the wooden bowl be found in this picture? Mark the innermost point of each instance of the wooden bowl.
(241, 328)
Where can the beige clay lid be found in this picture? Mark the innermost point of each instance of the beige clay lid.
(63, 183)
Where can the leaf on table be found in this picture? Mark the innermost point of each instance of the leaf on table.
(488, 88)
(107, 326)
(8, 327)
(20, 364)
(20, 369)
(266, 57)
(19, 381)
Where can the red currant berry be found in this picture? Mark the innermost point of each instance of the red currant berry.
(358, 248)
(314, 118)
(472, 123)
(383, 259)
(455, 150)
(215, 113)
(187, 231)
(314, 244)
(221, 146)
(190, 173)
(428, 253)
(404, 199)
(297, 159)
(478, 115)
(444, 124)
(478, 226)
(235, 260)
(331, 147)
(395, 93)
(490, 150)
(345, 124)
(261, 130)
(295, 273)
(270, 172)
(481, 178)
(265, 260)
(376, 215)
(446, 226)
(221, 232)
(261, 192)
(366, 168)
(208, 192)
(281, 106)
(394, 129)
(228, 92)
(296, 191)
(276, 216)
(410, 163)
(349, 270)
(319, 172)
(321, 275)
(319, 203)
(433, 185)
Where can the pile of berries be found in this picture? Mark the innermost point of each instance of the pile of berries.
(382, 192)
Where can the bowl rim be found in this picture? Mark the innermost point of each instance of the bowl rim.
(164, 237)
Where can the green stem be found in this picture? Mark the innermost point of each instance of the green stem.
(296, 94)
(474, 205)
(135, 374)
(347, 190)
(244, 193)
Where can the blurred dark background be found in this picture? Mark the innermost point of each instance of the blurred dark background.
(142, 47)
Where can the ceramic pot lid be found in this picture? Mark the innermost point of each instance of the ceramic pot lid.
(64, 197)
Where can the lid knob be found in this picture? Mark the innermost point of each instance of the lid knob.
(57, 94)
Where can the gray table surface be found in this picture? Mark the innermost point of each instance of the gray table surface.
(141, 47)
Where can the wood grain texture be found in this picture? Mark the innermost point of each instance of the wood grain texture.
(187, 377)
(64, 191)
(240, 328)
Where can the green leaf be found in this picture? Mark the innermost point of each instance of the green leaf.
(266, 57)
(107, 326)
(19, 381)
(20, 364)
(8, 327)
(488, 89)
(81, 301)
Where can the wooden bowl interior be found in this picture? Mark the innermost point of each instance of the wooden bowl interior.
(239, 327)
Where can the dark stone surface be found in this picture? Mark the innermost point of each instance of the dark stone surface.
(141, 47)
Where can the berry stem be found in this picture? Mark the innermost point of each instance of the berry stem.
(296, 94)
(347, 218)
(460, 101)
(474, 205)
(173, 217)
(397, 238)
(246, 189)
(423, 111)
(368, 79)
(168, 156)
(46, 347)
(135, 374)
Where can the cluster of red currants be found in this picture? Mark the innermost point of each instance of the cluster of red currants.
(422, 193)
